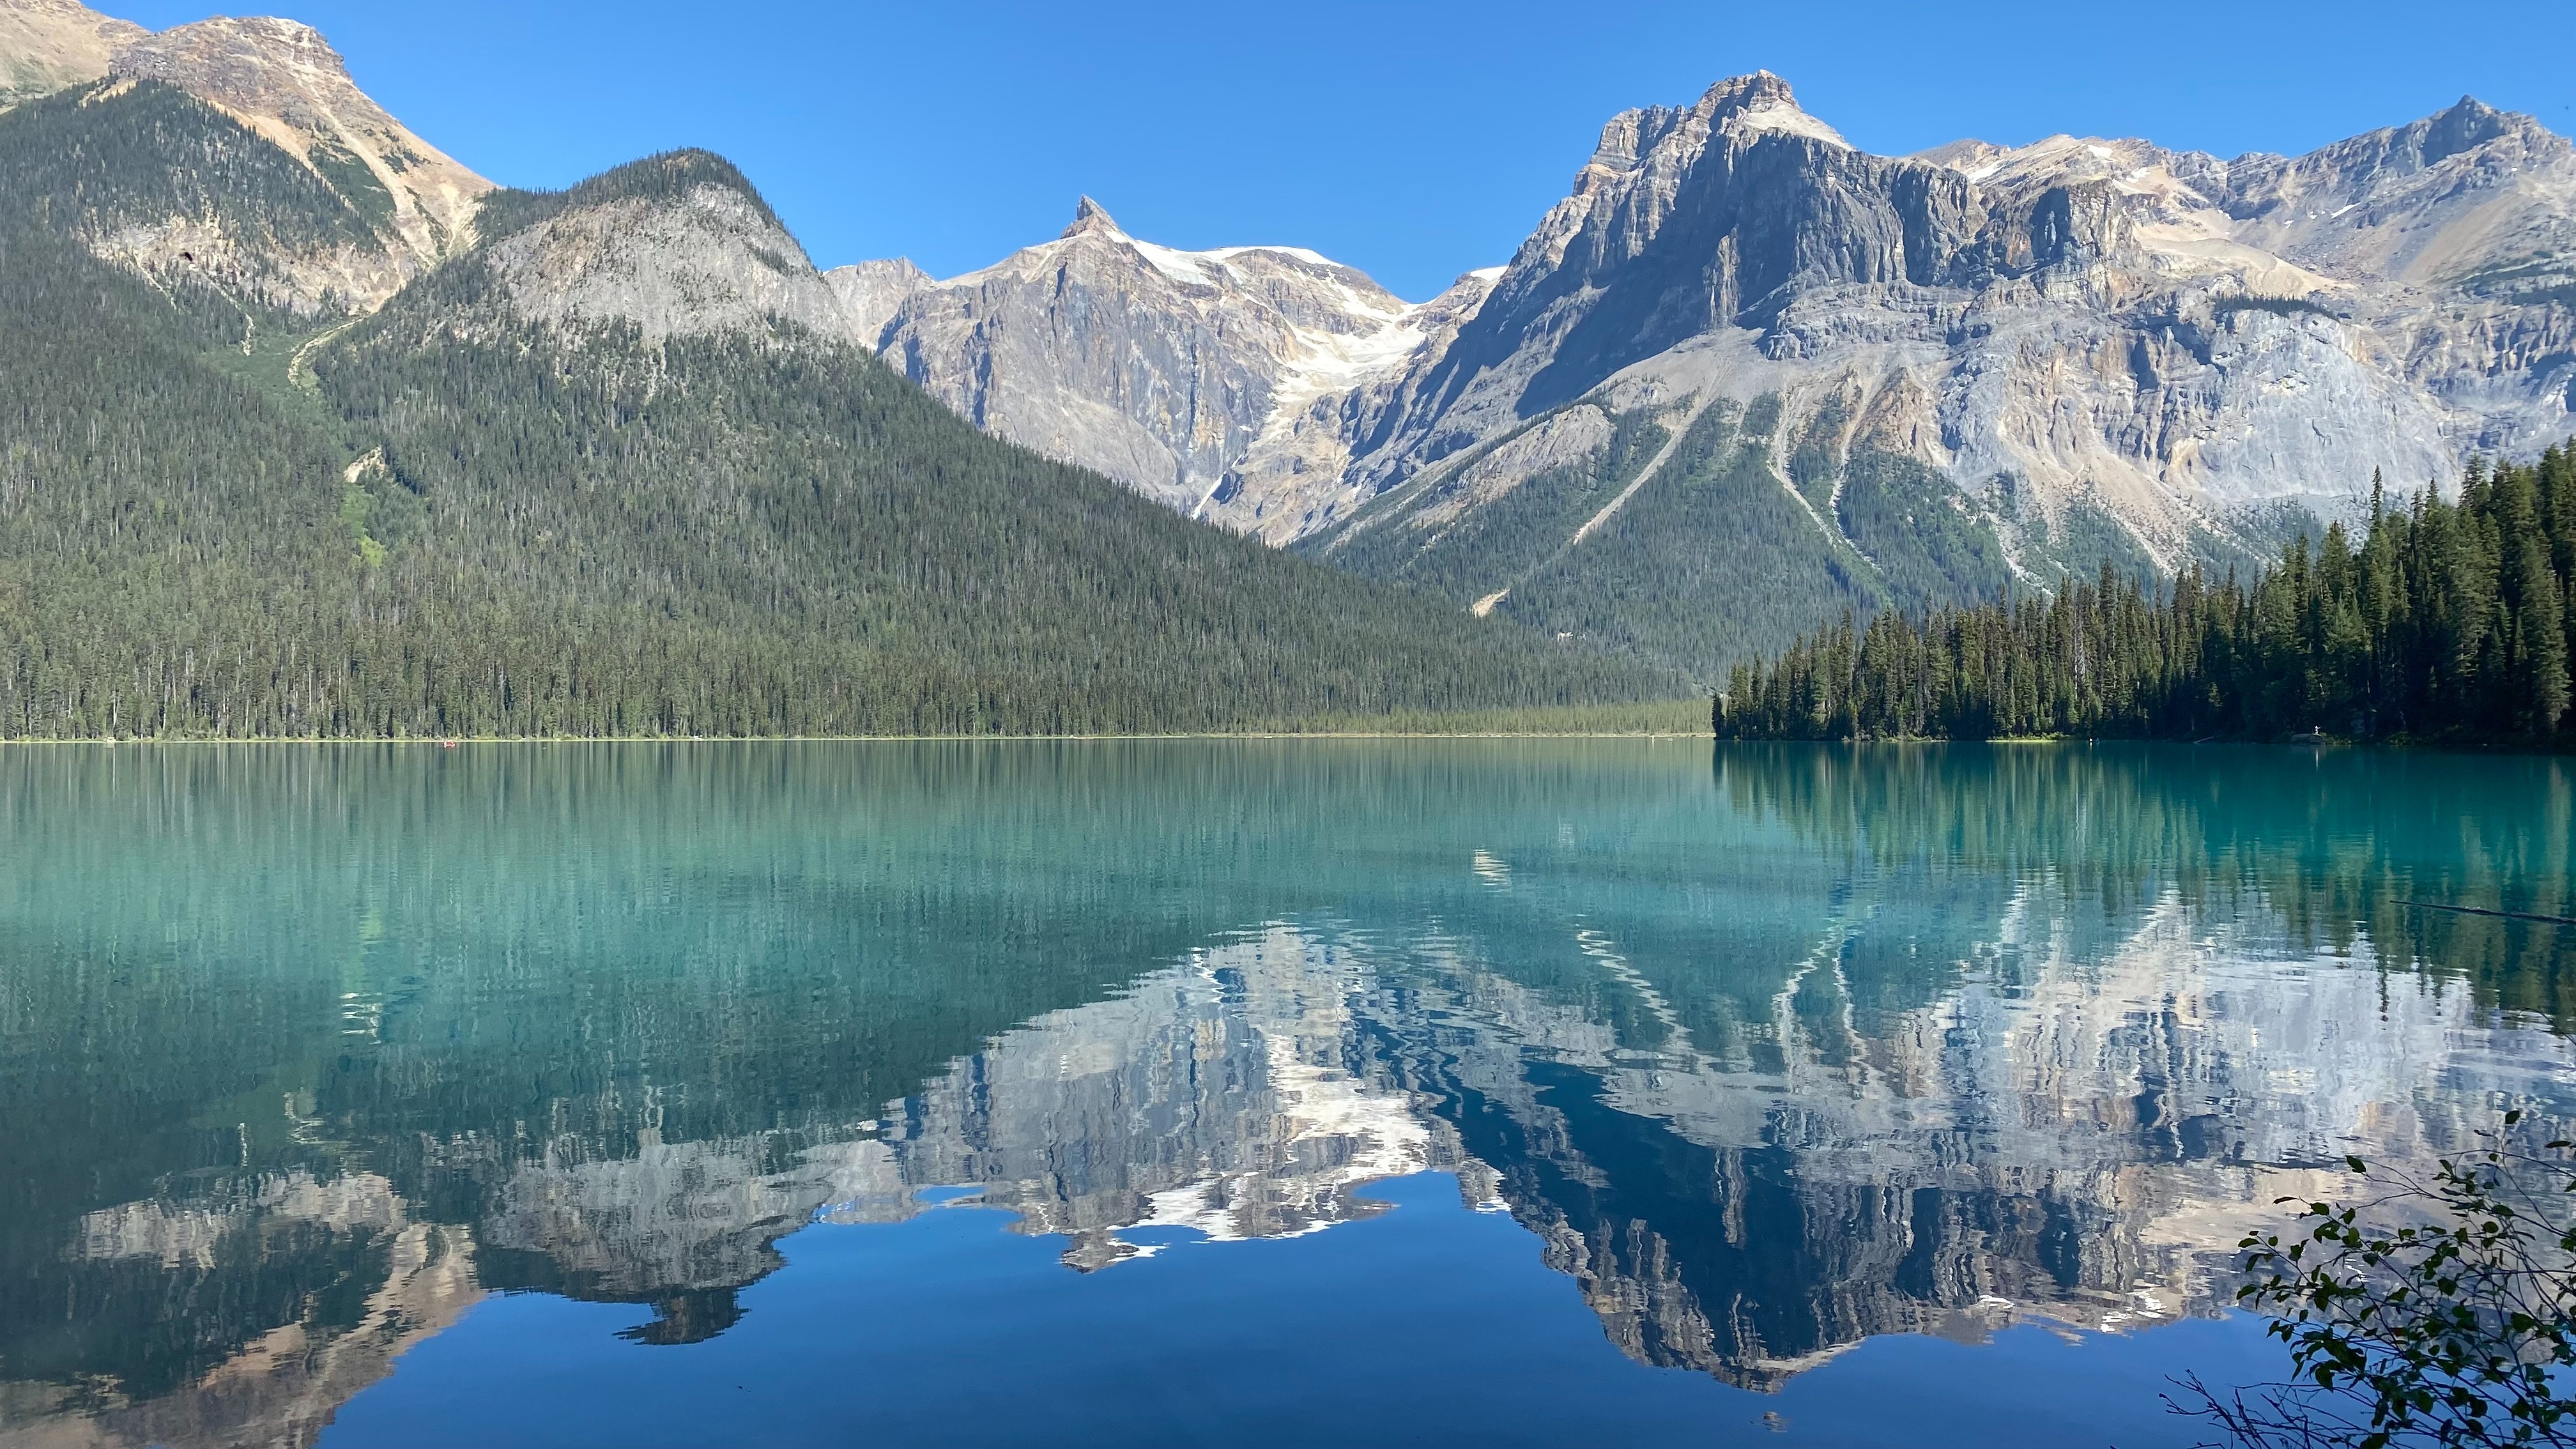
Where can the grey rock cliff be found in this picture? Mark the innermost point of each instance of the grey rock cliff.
(2099, 348)
(2164, 335)
(1221, 382)
(712, 260)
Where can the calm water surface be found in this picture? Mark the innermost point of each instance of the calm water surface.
(1218, 1093)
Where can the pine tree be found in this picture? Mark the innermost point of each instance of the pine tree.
(2450, 621)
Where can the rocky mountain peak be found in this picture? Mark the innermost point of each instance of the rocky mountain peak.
(1757, 91)
(260, 65)
(678, 244)
(1181, 373)
(1750, 105)
(281, 78)
(46, 45)
(1666, 141)
(2470, 123)
(2442, 200)
(1091, 218)
(412, 206)
(2257, 335)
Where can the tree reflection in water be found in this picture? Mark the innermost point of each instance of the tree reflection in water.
(1773, 1050)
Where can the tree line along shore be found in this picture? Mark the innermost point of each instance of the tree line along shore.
(2445, 623)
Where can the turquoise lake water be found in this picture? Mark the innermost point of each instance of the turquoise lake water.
(1350, 1092)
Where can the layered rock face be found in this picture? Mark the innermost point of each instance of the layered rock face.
(1226, 383)
(2164, 334)
(2050, 356)
(409, 205)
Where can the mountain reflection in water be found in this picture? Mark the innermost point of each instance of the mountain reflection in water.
(1773, 1050)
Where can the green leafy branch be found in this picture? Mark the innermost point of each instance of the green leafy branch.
(2458, 1329)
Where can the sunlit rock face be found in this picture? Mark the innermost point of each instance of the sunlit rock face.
(2165, 337)
(46, 45)
(377, 206)
(711, 259)
(1229, 384)
(2072, 337)
(286, 82)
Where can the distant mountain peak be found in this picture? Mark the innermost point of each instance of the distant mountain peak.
(285, 81)
(252, 63)
(1763, 102)
(676, 244)
(2468, 124)
(1753, 91)
(1744, 107)
(1091, 217)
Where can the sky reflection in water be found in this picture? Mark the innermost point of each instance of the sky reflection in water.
(1383, 1092)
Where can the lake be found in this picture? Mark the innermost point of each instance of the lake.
(1219, 1092)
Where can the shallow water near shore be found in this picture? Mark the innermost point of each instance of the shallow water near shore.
(1360, 1091)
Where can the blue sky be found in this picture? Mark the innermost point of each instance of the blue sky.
(1412, 140)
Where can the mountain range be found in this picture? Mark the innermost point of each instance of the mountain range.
(315, 433)
(1745, 374)
(1742, 378)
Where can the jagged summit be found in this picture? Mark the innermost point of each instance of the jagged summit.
(1089, 218)
(1195, 376)
(1752, 104)
(1759, 102)
(1750, 91)
(2471, 122)
(1669, 139)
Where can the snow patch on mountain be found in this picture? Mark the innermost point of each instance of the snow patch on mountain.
(1172, 370)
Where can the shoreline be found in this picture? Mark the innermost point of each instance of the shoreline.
(442, 742)
(2309, 744)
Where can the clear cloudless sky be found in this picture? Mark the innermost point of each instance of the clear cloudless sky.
(1412, 140)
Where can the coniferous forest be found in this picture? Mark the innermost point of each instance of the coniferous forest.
(222, 519)
(2448, 623)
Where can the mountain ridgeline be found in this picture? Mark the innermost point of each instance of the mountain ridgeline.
(1746, 374)
(315, 433)
(610, 469)
(2449, 623)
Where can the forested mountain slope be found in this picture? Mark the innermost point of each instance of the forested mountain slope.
(1745, 374)
(2441, 622)
(1948, 372)
(402, 205)
(600, 474)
